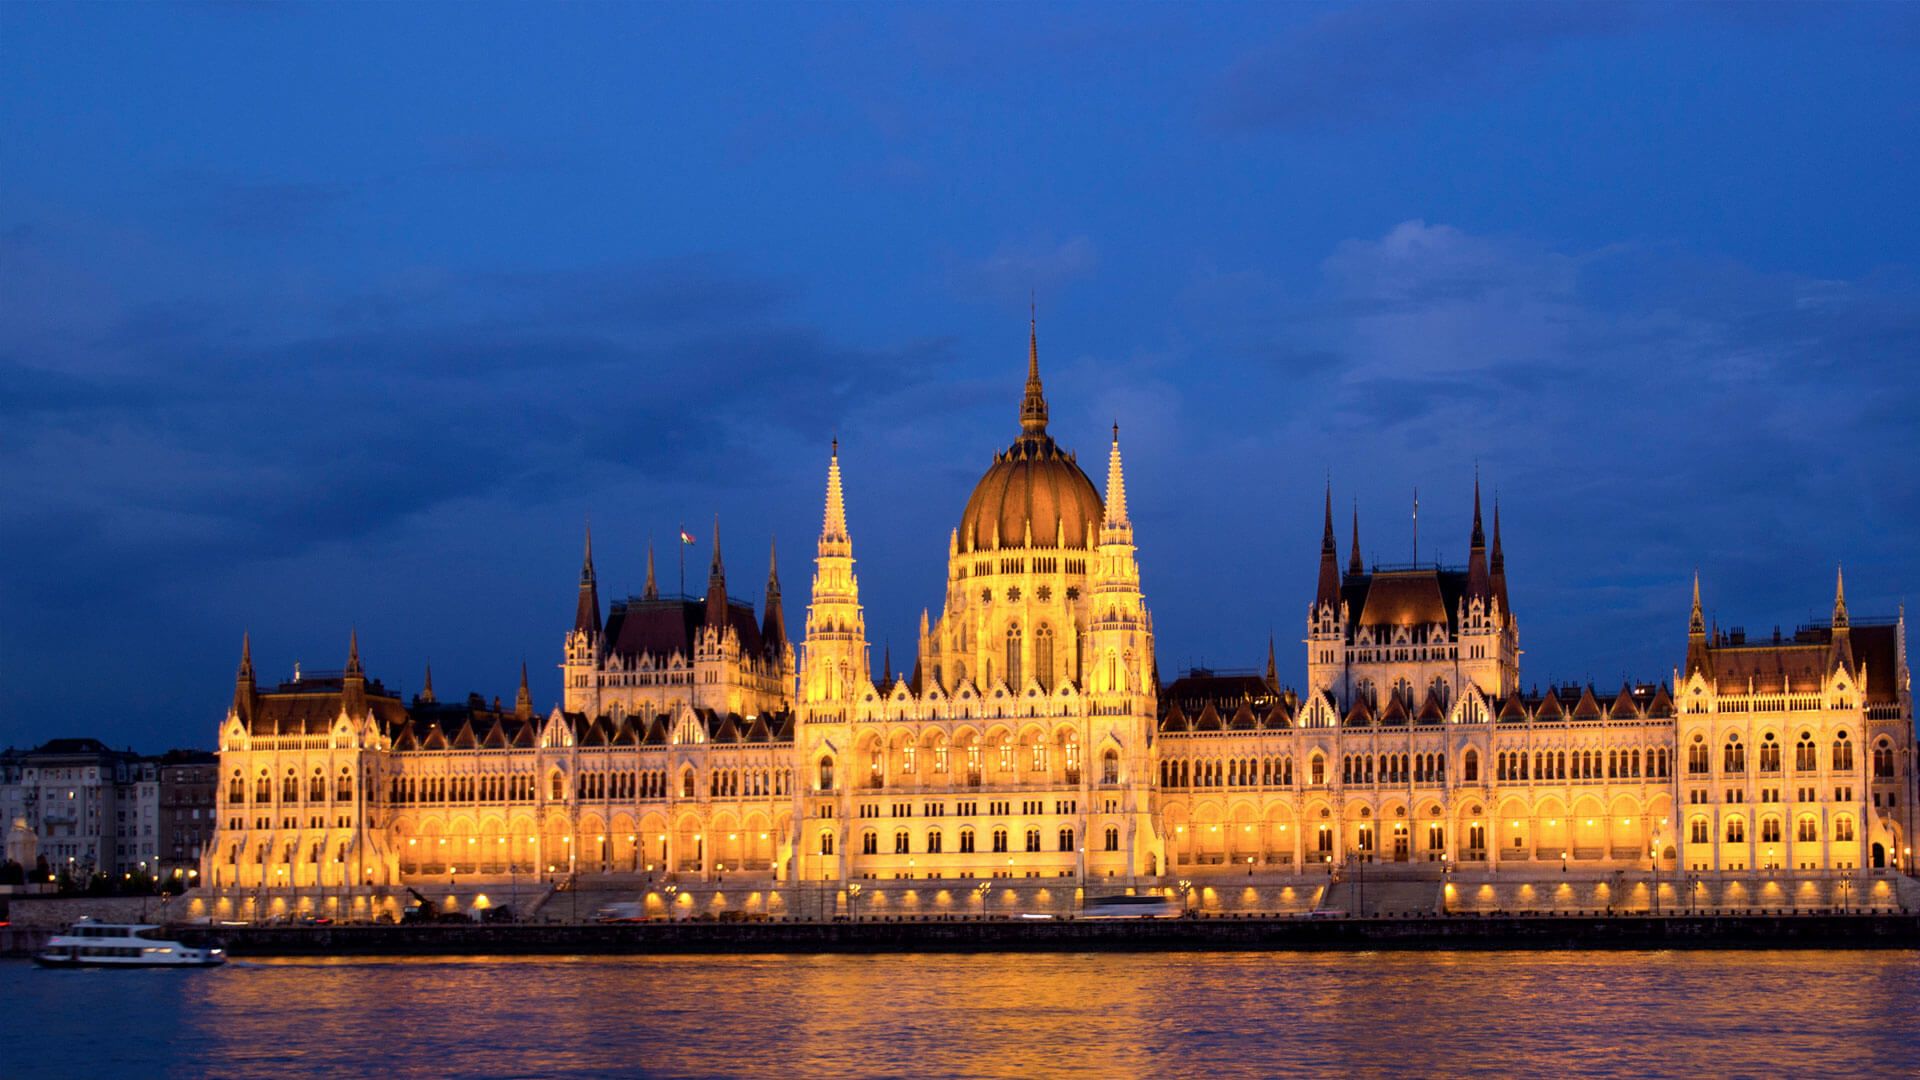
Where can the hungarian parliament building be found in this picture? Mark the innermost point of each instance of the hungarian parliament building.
(1035, 736)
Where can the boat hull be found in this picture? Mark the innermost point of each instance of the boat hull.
(56, 961)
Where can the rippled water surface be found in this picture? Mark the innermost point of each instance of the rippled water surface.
(1239, 1014)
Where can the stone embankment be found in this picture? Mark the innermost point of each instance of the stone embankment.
(1805, 931)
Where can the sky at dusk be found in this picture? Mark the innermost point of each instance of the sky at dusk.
(314, 318)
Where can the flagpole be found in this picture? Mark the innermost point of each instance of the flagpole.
(682, 545)
(1416, 526)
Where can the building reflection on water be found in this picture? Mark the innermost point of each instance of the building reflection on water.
(1233, 1014)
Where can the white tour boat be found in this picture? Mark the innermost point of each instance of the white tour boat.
(98, 944)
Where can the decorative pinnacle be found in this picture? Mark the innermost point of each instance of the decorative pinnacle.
(1033, 409)
(835, 525)
(1839, 598)
(1116, 483)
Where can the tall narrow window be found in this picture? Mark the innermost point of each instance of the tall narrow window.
(1842, 753)
(1110, 767)
(1013, 657)
(1043, 655)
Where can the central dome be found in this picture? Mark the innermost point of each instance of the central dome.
(1033, 484)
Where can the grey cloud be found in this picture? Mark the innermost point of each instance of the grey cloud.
(1374, 61)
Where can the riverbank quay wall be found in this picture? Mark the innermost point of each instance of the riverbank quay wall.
(1831, 931)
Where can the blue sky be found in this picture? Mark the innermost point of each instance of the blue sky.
(335, 316)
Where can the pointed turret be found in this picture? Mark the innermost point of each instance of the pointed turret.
(1497, 562)
(353, 682)
(1272, 674)
(716, 583)
(834, 652)
(1479, 584)
(426, 686)
(1699, 655)
(523, 701)
(1116, 500)
(1840, 653)
(243, 691)
(834, 526)
(773, 627)
(886, 666)
(652, 588)
(1328, 594)
(586, 608)
(1354, 563)
(1033, 407)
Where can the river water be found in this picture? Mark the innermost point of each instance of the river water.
(1706, 1014)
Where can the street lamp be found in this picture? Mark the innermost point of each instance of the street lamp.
(853, 895)
(1563, 862)
(1186, 896)
(980, 890)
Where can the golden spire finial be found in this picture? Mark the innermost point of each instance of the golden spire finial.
(1033, 409)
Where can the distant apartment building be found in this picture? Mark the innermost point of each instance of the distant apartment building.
(86, 808)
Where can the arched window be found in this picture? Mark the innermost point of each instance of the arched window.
(826, 843)
(869, 843)
(1842, 753)
(1697, 831)
(1033, 839)
(902, 843)
(1043, 655)
(1317, 770)
(1470, 767)
(1769, 830)
(237, 789)
(826, 772)
(1882, 760)
(343, 790)
(1803, 753)
(1113, 838)
(1769, 753)
(1037, 756)
(1736, 831)
(1006, 754)
(934, 842)
(290, 790)
(263, 788)
(966, 841)
(317, 787)
(1000, 840)
(1734, 760)
(1110, 767)
(558, 787)
(1697, 756)
(686, 782)
(1843, 829)
(1013, 656)
(1066, 839)
(1809, 829)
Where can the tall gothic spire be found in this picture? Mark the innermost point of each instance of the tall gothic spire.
(1328, 594)
(353, 686)
(1272, 673)
(1354, 563)
(586, 606)
(1479, 585)
(773, 625)
(1840, 654)
(1840, 599)
(652, 589)
(1699, 652)
(1033, 408)
(834, 527)
(243, 682)
(523, 701)
(1497, 562)
(426, 686)
(716, 582)
(1116, 483)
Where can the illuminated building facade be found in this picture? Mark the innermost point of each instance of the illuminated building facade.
(1033, 738)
